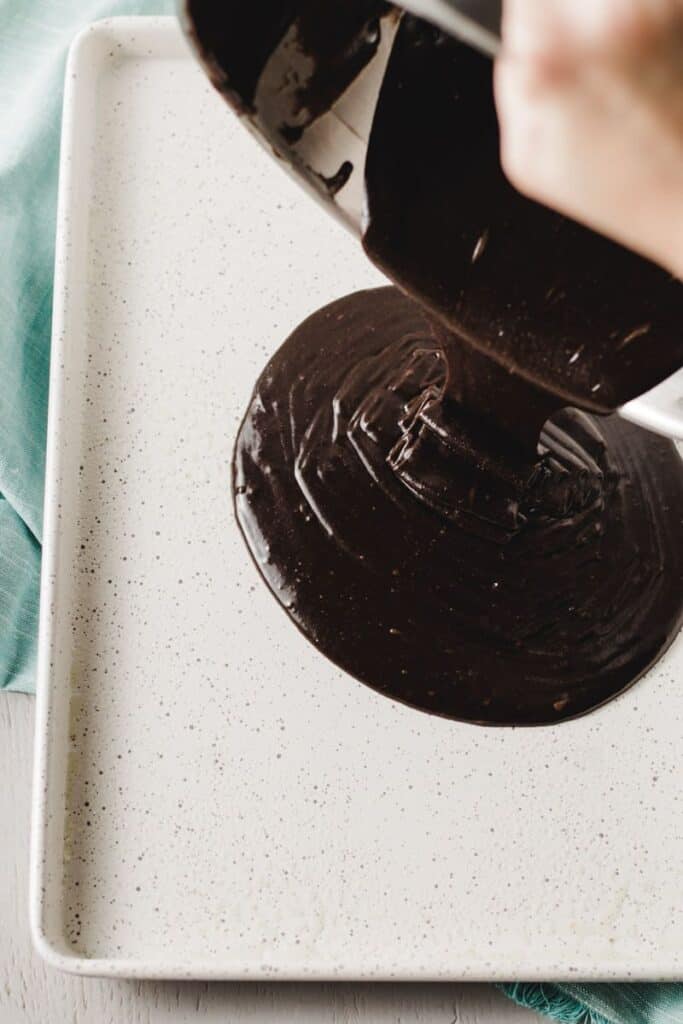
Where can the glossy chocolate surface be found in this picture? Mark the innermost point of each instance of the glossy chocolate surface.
(565, 307)
(488, 586)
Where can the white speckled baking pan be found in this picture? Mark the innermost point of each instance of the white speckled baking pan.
(213, 799)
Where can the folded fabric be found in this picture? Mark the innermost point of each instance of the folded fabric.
(34, 39)
(601, 1003)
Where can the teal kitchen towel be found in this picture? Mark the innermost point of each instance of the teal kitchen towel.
(602, 1003)
(34, 38)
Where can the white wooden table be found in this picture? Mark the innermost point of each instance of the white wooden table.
(31, 993)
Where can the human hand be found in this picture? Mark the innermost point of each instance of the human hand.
(590, 100)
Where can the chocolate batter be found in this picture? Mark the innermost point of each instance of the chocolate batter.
(408, 478)
(563, 306)
(505, 589)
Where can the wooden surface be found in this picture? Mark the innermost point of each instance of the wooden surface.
(31, 993)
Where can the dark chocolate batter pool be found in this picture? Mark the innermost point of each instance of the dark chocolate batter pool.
(510, 587)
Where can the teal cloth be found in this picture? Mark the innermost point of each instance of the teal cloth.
(601, 1003)
(34, 37)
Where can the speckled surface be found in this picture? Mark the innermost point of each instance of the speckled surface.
(213, 798)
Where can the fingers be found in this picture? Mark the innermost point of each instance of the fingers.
(590, 102)
(538, 28)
